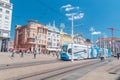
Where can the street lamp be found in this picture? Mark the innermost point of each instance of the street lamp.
(92, 30)
(72, 36)
(72, 16)
(62, 26)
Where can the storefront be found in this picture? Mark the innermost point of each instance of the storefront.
(4, 44)
(52, 50)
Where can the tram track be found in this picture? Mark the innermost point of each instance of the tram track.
(114, 69)
(56, 73)
(21, 65)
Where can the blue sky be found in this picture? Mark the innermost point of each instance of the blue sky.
(99, 14)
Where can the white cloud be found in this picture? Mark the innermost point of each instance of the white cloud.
(67, 6)
(92, 29)
(68, 14)
(95, 33)
(77, 8)
(69, 18)
(71, 8)
(81, 15)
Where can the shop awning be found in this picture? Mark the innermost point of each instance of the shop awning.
(53, 49)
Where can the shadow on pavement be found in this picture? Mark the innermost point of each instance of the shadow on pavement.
(118, 78)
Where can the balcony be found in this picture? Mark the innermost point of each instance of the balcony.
(4, 36)
(33, 37)
(31, 42)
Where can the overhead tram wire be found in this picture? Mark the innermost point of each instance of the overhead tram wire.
(62, 15)
(50, 8)
(57, 12)
(25, 20)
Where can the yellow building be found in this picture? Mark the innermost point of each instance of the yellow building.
(65, 38)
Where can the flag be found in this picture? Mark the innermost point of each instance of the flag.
(110, 42)
(116, 45)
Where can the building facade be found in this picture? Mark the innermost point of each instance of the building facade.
(78, 39)
(109, 43)
(5, 23)
(65, 38)
(32, 36)
(53, 38)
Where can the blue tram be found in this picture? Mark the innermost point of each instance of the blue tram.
(81, 52)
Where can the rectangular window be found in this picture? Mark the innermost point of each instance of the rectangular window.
(7, 17)
(45, 42)
(49, 44)
(6, 34)
(40, 30)
(54, 39)
(6, 22)
(0, 20)
(53, 34)
(0, 15)
(7, 6)
(57, 35)
(6, 27)
(0, 9)
(1, 4)
(48, 38)
(7, 12)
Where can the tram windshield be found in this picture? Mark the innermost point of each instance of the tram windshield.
(64, 49)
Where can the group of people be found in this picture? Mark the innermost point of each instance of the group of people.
(21, 52)
(102, 55)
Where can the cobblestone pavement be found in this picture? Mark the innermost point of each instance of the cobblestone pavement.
(5, 58)
(9, 73)
(110, 71)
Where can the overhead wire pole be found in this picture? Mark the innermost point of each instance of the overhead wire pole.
(72, 36)
(113, 45)
(72, 16)
(112, 29)
(91, 30)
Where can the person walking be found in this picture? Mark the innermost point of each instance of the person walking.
(12, 55)
(34, 53)
(57, 54)
(118, 56)
(101, 55)
(21, 52)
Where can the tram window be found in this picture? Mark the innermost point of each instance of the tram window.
(70, 51)
(85, 51)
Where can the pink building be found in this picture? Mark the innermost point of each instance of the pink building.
(32, 36)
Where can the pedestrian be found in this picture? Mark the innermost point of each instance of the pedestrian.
(57, 54)
(101, 55)
(53, 53)
(21, 52)
(118, 56)
(13, 52)
(34, 53)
